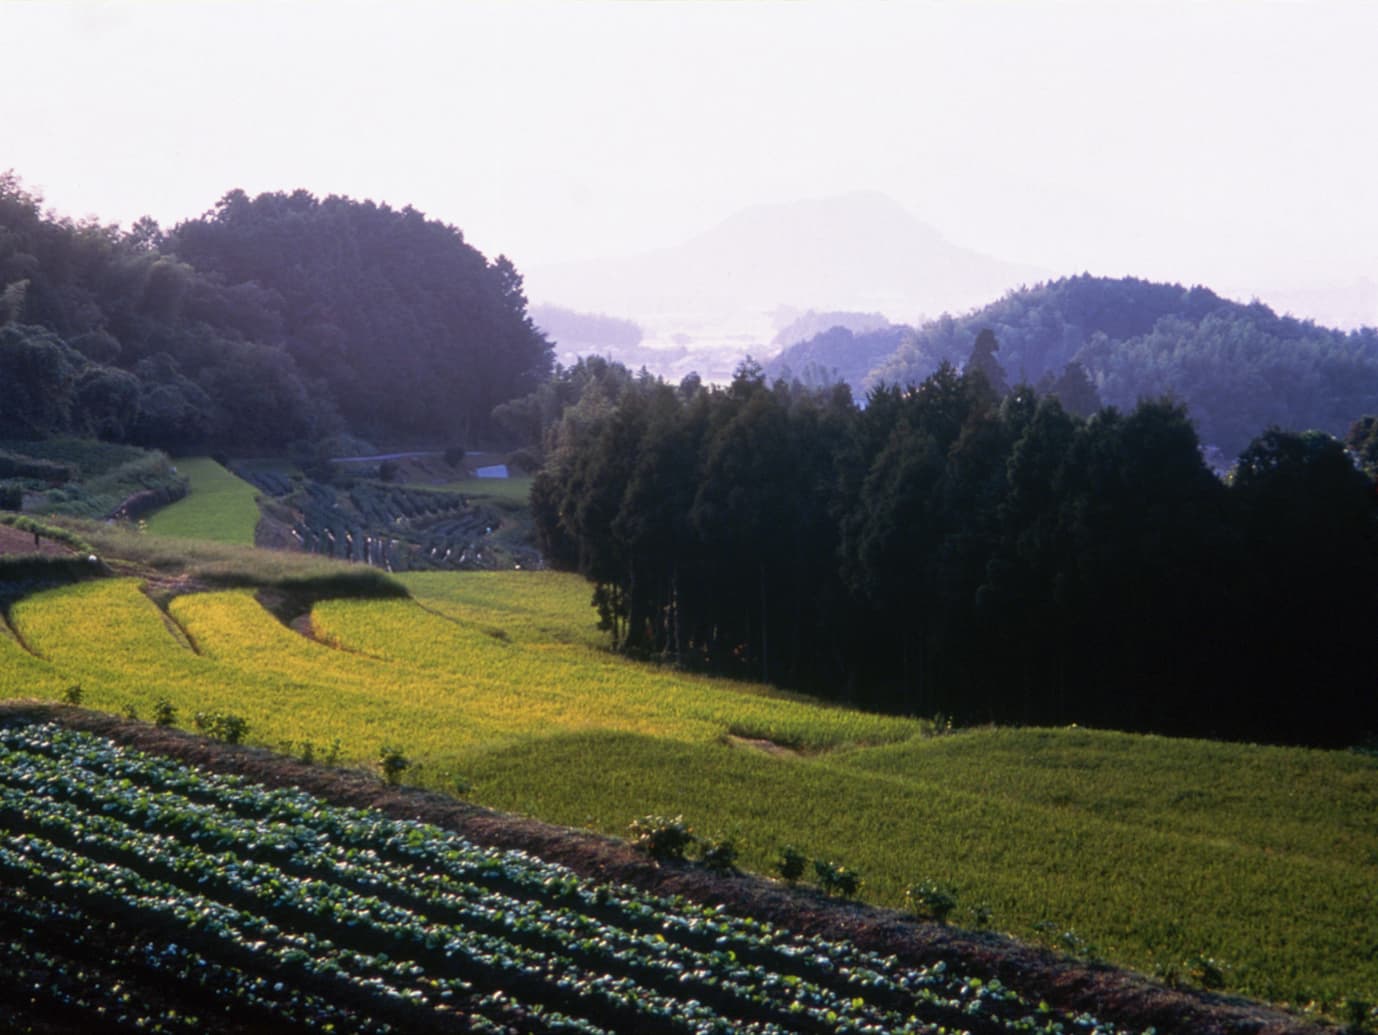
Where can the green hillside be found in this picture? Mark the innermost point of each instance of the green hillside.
(1166, 855)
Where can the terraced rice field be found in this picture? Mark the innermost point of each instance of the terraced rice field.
(1166, 855)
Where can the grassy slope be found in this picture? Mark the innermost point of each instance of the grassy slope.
(1152, 849)
(218, 507)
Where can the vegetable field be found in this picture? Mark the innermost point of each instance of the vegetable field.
(1252, 867)
(142, 895)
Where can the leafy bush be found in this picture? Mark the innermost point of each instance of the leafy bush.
(835, 879)
(720, 856)
(454, 456)
(392, 763)
(931, 900)
(791, 863)
(1206, 971)
(11, 496)
(164, 714)
(72, 695)
(662, 838)
(17, 465)
(1356, 1014)
(222, 726)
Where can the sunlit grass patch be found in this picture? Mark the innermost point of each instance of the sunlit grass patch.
(219, 506)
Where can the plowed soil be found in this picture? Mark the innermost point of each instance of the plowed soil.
(13, 541)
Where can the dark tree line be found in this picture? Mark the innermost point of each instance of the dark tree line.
(267, 321)
(948, 549)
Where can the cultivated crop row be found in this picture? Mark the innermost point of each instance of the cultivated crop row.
(393, 527)
(239, 905)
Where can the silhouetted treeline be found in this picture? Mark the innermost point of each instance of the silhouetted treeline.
(943, 549)
(1238, 368)
(266, 321)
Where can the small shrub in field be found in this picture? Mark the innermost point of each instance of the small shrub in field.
(222, 726)
(931, 900)
(392, 763)
(720, 856)
(72, 695)
(332, 753)
(130, 712)
(1356, 1013)
(980, 916)
(791, 863)
(662, 838)
(454, 456)
(1206, 971)
(164, 714)
(835, 879)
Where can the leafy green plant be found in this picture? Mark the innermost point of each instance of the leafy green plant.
(790, 864)
(720, 856)
(1356, 1014)
(222, 726)
(72, 695)
(1206, 971)
(981, 916)
(931, 900)
(130, 712)
(392, 763)
(836, 879)
(164, 714)
(662, 838)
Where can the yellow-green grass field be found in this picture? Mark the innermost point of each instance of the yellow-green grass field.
(1151, 850)
(218, 506)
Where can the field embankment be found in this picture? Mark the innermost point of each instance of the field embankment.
(1246, 866)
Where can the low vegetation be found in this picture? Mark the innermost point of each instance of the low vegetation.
(272, 909)
(1146, 851)
(219, 507)
(89, 479)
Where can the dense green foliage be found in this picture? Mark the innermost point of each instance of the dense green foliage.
(411, 330)
(263, 322)
(1238, 368)
(90, 479)
(946, 550)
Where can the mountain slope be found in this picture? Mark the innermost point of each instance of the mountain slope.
(857, 251)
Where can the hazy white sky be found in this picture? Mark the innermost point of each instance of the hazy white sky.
(1213, 142)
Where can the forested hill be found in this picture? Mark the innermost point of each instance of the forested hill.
(268, 320)
(1238, 368)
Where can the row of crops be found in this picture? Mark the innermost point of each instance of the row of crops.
(137, 894)
(388, 526)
